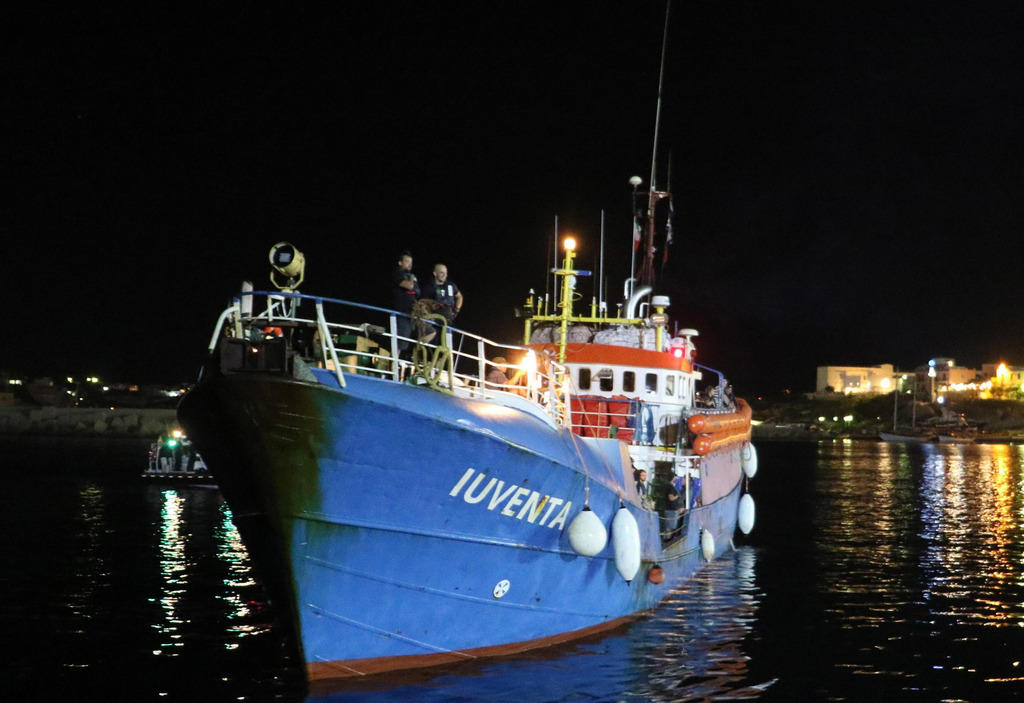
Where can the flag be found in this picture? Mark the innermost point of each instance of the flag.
(636, 234)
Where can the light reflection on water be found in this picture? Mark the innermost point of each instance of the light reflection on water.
(90, 569)
(239, 579)
(920, 552)
(692, 648)
(179, 564)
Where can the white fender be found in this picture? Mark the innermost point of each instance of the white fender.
(746, 513)
(626, 541)
(587, 534)
(707, 544)
(749, 459)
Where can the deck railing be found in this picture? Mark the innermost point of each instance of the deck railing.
(391, 345)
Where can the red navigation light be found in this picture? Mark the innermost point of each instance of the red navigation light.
(677, 352)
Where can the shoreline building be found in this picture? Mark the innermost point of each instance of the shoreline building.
(941, 375)
(938, 378)
(853, 380)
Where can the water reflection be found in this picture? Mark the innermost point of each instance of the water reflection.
(90, 568)
(195, 524)
(233, 554)
(919, 547)
(973, 539)
(693, 647)
(173, 571)
(90, 575)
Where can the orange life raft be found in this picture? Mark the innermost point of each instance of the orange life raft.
(715, 432)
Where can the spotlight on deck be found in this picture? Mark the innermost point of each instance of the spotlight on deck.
(289, 262)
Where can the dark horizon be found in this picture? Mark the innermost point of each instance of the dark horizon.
(846, 180)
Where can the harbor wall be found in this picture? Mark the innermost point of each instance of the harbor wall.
(105, 422)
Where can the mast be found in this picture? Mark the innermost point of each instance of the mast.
(647, 266)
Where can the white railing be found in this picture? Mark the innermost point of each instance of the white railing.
(386, 344)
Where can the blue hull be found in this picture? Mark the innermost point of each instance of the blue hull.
(404, 527)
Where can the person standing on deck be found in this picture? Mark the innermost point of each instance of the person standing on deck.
(445, 293)
(405, 292)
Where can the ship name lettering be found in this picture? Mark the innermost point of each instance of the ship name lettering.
(529, 503)
(499, 496)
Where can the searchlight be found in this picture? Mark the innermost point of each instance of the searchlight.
(290, 263)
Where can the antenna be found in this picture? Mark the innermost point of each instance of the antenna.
(547, 280)
(600, 271)
(554, 251)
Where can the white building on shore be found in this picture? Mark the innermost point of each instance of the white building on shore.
(851, 380)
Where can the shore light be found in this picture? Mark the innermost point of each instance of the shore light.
(569, 244)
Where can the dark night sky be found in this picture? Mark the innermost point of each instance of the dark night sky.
(847, 180)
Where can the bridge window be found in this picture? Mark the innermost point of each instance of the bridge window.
(670, 385)
(607, 380)
(584, 379)
(629, 381)
(651, 382)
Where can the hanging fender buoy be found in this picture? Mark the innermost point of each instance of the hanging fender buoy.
(707, 544)
(656, 575)
(626, 542)
(748, 458)
(587, 533)
(746, 514)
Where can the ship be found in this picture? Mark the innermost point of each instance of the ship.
(465, 498)
(414, 495)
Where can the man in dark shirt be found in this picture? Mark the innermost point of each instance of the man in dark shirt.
(675, 498)
(445, 293)
(405, 291)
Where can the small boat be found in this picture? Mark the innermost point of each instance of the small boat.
(173, 457)
(955, 437)
(911, 434)
(914, 437)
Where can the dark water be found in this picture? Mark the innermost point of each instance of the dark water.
(875, 572)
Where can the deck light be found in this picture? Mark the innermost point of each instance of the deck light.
(569, 244)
